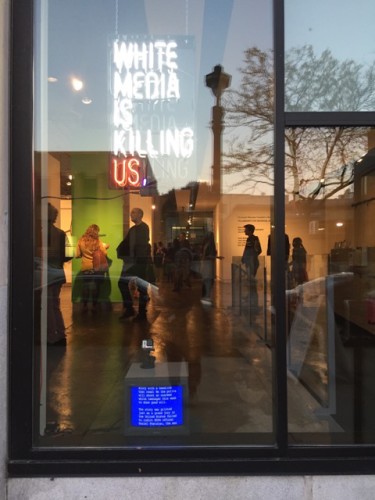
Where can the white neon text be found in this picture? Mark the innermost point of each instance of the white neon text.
(145, 72)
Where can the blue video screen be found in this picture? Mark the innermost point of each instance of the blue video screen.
(157, 406)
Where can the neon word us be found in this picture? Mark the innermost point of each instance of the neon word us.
(126, 172)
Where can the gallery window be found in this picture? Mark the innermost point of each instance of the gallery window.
(191, 263)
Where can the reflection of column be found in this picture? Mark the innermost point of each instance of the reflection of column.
(217, 127)
(217, 81)
(371, 138)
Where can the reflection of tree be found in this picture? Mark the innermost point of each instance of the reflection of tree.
(319, 162)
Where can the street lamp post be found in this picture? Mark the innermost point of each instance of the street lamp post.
(217, 81)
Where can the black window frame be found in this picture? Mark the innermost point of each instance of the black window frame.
(26, 460)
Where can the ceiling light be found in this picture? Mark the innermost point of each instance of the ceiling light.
(77, 84)
(86, 100)
(52, 79)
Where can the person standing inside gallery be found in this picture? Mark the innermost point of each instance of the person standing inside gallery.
(56, 279)
(91, 278)
(299, 262)
(208, 267)
(251, 251)
(135, 251)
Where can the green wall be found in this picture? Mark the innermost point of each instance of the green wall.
(94, 203)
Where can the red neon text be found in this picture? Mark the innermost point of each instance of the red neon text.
(126, 172)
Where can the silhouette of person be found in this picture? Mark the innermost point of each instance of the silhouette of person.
(56, 279)
(299, 262)
(208, 259)
(135, 251)
(251, 251)
(159, 255)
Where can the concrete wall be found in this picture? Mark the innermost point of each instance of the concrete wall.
(216, 488)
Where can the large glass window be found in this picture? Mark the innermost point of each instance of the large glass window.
(154, 147)
(192, 264)
(330, 284)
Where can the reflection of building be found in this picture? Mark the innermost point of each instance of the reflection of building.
(364, 199)
(195, 209)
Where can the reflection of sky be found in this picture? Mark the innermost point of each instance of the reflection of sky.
(346, 28)
(79, 34)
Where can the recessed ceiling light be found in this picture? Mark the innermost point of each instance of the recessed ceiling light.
(52, 79)
(86, 100)
(77, 84)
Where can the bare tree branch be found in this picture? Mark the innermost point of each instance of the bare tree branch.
(318, 162)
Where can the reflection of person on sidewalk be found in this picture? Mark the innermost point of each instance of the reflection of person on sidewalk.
(56, 279)
(135, 252)
(159, 254)
(208, 267)
(251, 251)
(182, 259)
(250, 259)
(299, 262)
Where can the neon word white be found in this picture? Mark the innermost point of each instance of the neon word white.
(146, 56)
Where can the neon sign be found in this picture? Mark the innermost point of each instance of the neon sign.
(152, 102)
(149, 70)
(126, 172)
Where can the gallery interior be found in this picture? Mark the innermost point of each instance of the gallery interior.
(222, 350)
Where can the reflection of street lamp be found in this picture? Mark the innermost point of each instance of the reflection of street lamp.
(217, 81)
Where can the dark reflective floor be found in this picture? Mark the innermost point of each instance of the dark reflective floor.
(229, 372)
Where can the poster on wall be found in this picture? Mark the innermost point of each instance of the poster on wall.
(152, 101)
(261, 224)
